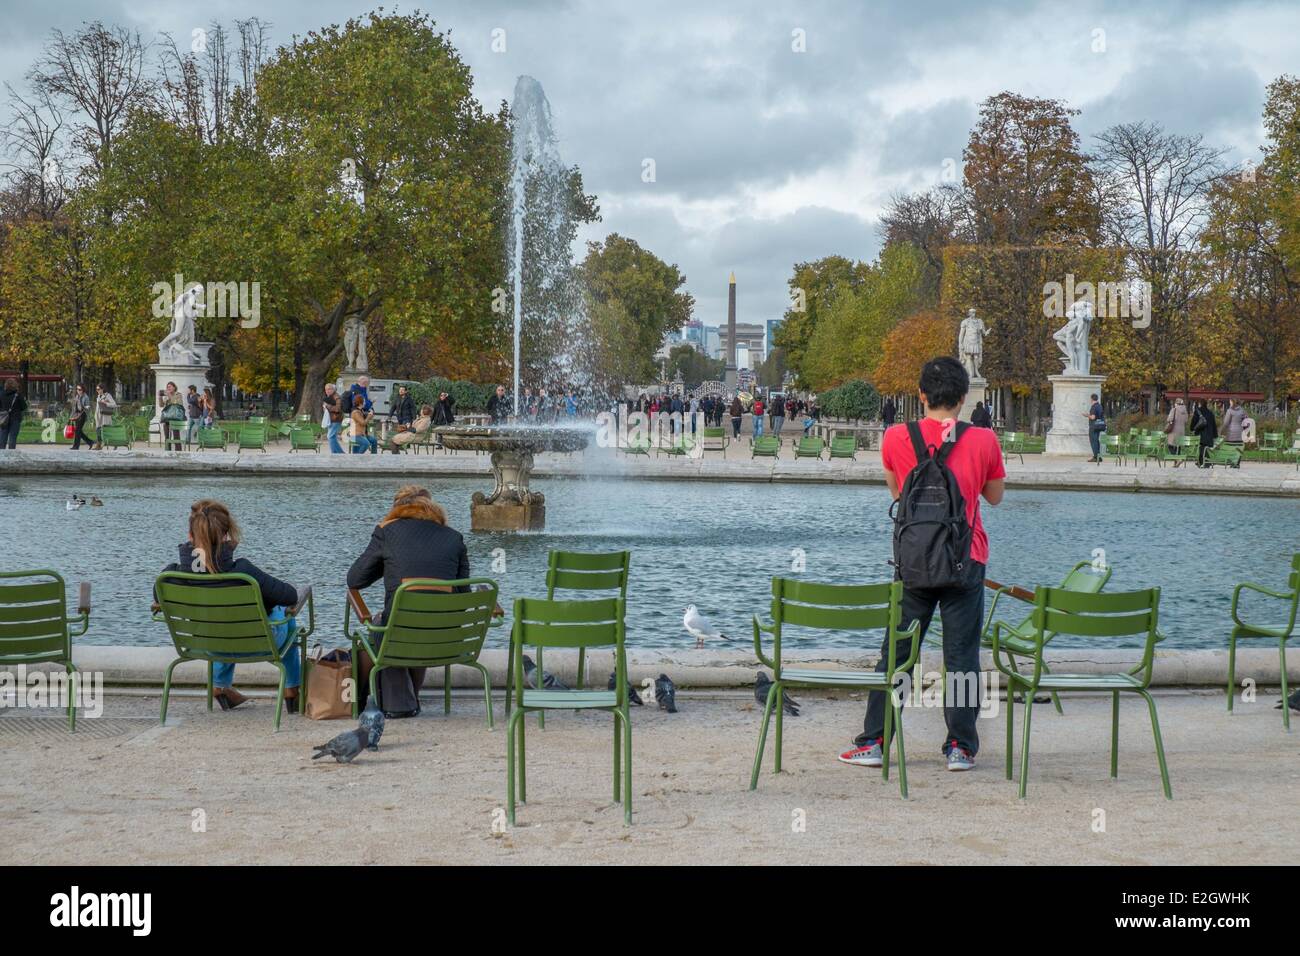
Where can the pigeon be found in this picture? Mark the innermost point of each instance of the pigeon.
(699, 628)
(345, 747)
(549, 680)
(763, 684)
(666, 693)
(75, 502)
(372, 722)
(632, 695)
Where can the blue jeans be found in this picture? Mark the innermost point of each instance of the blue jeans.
(285, 632)
(333, 433)
(777, 422)
(191, 426)
(363, 443)
(758, 426)
(1095, 431)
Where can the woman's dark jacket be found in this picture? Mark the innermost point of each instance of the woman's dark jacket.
(1205, 426)
(409, 548)
(275, 593)
(13, 403)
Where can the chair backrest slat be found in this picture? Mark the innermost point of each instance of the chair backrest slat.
(831, 618)
(572, 624)
(215, 616)
(587, 571)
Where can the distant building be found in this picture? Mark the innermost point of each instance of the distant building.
(712, 342)
(772, 326)
(749, 339)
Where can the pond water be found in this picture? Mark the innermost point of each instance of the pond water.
(713, 544)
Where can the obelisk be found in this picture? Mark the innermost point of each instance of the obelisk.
(731, 334)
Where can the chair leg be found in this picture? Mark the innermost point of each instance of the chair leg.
(487, 692)
(618, 792)
(1232, 668)
(902, 753)
(1286, 707)
(889, 732)
(1160, 745)
(72, 696)
(1114, 734)
(582, 666)
(1024, 744)
(776, 692)
(279, 696)
(210, 666)
(356, 690)
(522, 769)
(1056, 701)
(537, 679)
(627, 767)
(167, 689)
(446, 689)
(762, 739)
(510, 767)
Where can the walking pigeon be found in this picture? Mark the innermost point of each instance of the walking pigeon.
(632, 695)
(666, 693)
(345, 747)
(372, 722)
(549, 680)
(763, 684)
(698, 626)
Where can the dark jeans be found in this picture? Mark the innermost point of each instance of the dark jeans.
(1095, 431)
(735, 427)
(79, 435)
(9, 434)
(962, 609)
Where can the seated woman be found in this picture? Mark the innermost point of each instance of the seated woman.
(210, 549)
(408, 433)
(412, 541)
(362, 440)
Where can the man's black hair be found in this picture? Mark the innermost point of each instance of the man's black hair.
(944, 382)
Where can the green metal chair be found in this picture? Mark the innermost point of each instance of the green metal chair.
(1270, 446)
(219, 618)
(810, 447)
(252, 436)
(637, 446)
(429, 625)
(1221, 454)
(843, 447)
(681, 444)
(713, 439)
(35, 627)
(1058, 611)
(841, 607)
(1187, 449)
(1112, 446)
(212, 438)
(766, 446)
(1293, 451)
(114, 436)
(302, 439)
(575, 625)
(1013, 443)
(1281, 632)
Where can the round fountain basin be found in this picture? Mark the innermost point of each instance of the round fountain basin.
(533, 439)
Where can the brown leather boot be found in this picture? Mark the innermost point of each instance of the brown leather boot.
(228, 698)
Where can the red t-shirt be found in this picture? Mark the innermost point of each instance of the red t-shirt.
(976, 460)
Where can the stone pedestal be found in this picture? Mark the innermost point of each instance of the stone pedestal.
(349, 376)
(1071, 399)
(979, 392)
(184, 376)
(507, 515)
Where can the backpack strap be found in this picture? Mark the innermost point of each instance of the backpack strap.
(958, 430)
(918, 443)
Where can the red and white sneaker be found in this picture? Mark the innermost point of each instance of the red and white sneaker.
(869, 756)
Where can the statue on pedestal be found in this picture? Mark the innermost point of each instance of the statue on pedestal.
(970, 343)
(1072, 339)
(178, 347)
(354, 345)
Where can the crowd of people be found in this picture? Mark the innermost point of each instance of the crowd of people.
(1238, 426)
(709, 410)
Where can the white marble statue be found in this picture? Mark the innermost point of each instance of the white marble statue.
(1072, 339)
(178, 347)
(354, 344)
(970, 343)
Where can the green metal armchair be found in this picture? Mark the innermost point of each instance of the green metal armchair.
(1281, 632)
(35, 627)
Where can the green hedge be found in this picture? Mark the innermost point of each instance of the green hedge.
(852, 401)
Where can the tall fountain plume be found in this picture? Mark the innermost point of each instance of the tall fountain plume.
(547, 305)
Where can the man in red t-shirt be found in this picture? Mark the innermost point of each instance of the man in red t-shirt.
(976, 461)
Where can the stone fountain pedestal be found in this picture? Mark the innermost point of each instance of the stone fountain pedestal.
(1071, 399)
(511, 506)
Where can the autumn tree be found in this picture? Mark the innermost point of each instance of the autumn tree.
(813, 288)
(908, 346)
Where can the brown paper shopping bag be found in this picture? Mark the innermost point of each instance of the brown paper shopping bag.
(329, 685)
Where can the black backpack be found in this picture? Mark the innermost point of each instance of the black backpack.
(345, 402)
(931, 534)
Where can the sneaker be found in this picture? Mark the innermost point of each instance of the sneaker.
(869, 756)
(960, 758)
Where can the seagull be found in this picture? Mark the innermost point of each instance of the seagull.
(698, 626)
(549, 680)
(763, 684)
(75, 502)
(345, 747)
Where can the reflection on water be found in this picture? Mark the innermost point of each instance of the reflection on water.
(713, 544)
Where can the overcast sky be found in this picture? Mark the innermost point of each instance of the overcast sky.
(763, 155)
